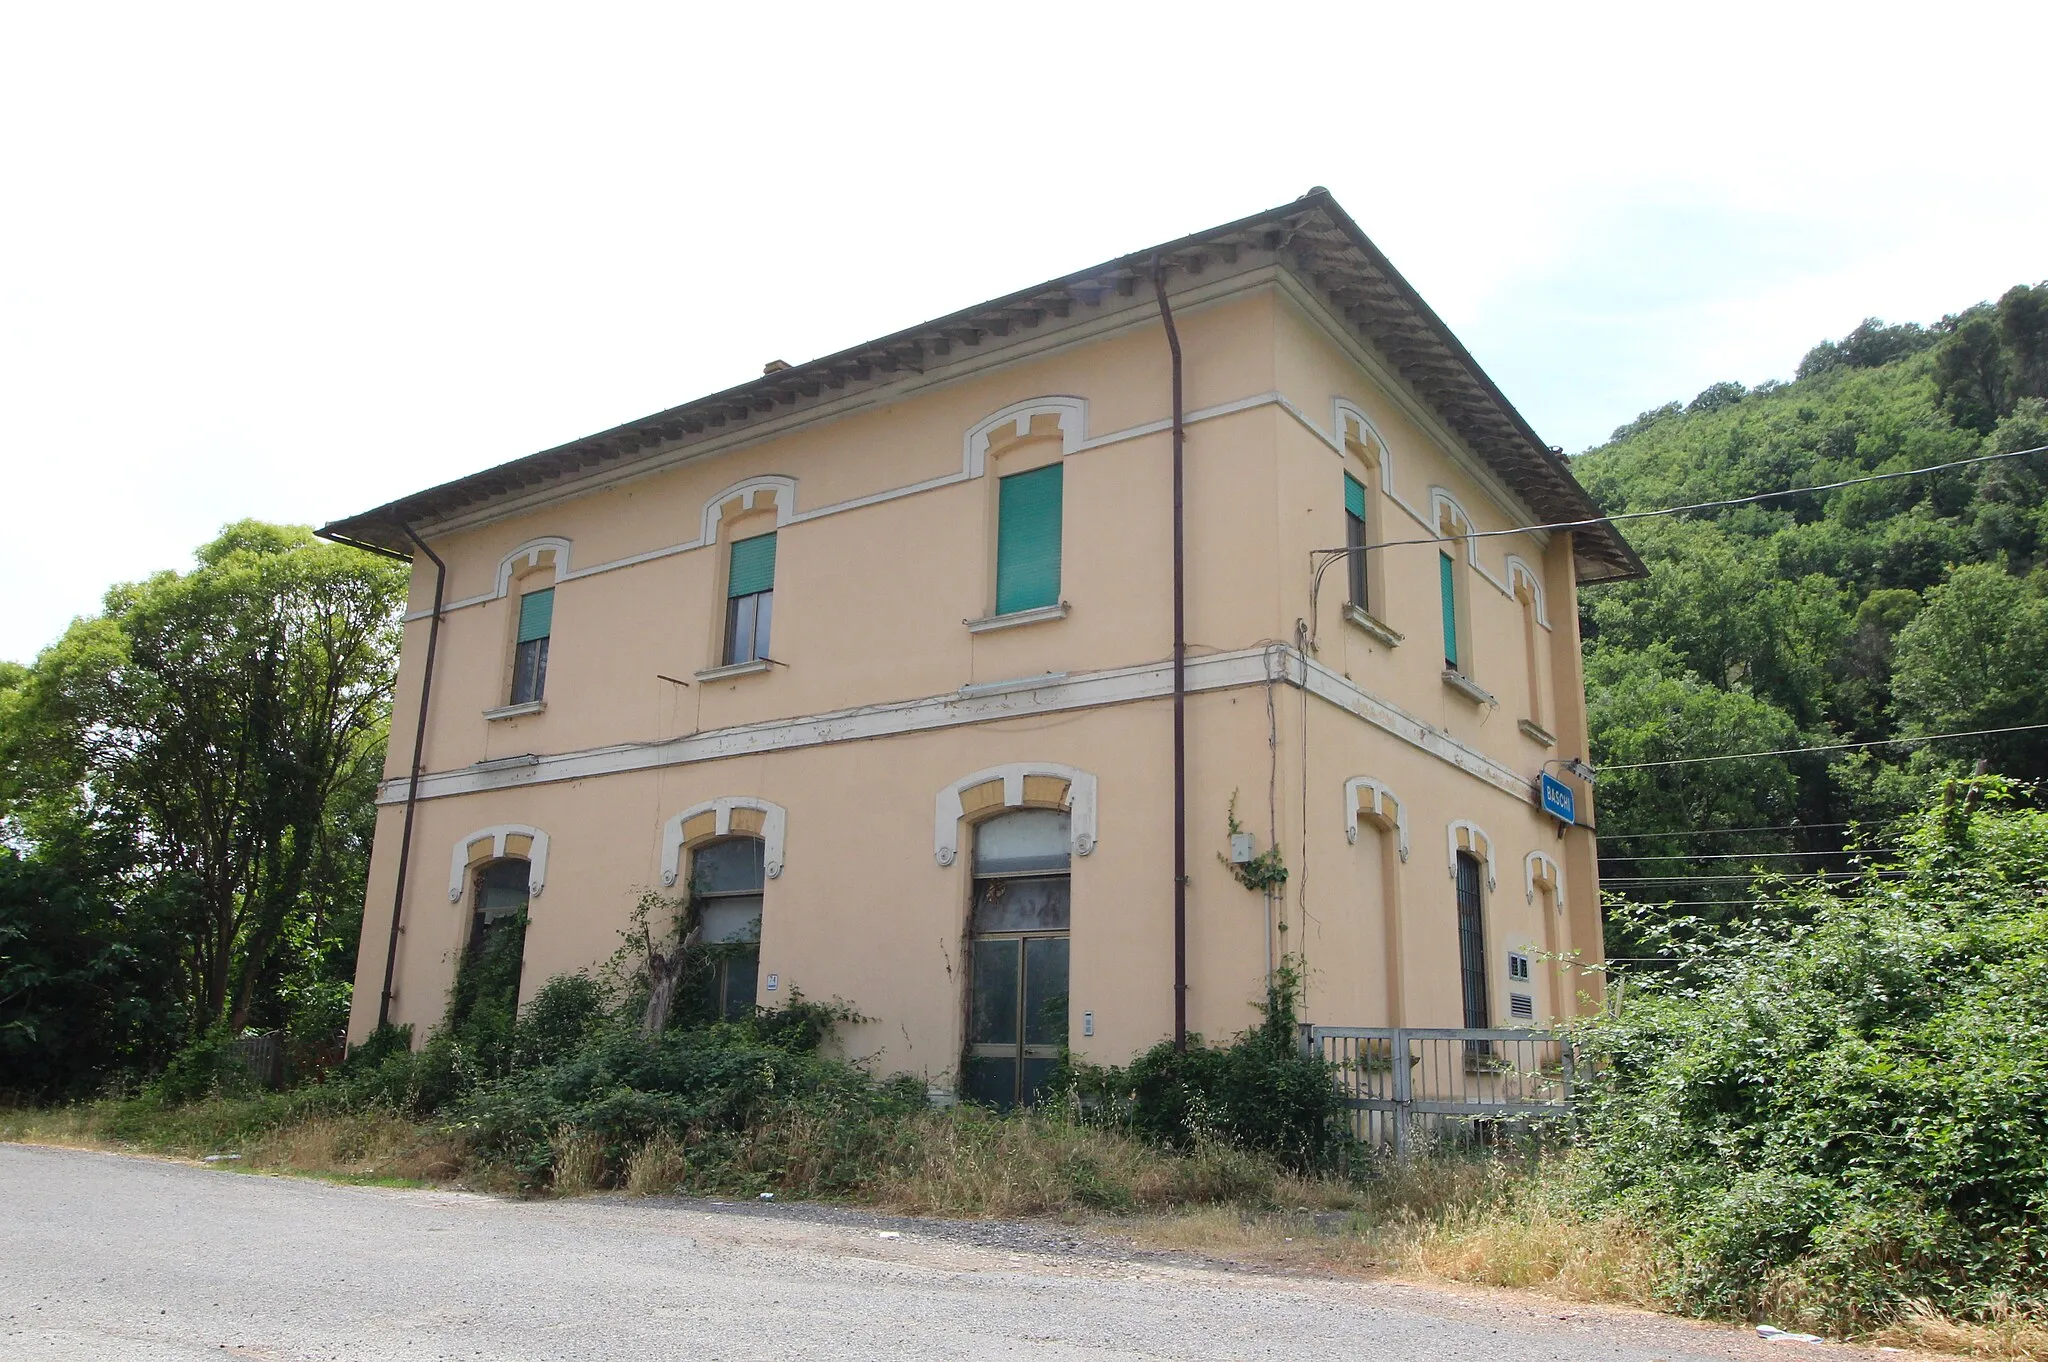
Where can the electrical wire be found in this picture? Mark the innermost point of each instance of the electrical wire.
(1751, 855)
(1320, 559)
(1744, 879)
(1760, 827)
(1827, 747)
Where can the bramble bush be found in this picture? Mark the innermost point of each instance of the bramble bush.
(1840, 1107)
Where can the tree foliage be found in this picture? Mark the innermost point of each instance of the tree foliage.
(1872, 612)
(209, 744)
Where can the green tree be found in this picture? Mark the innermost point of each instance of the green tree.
(225, 726)
(1975, 658)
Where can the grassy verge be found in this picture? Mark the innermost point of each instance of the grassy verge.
(1496, 1219)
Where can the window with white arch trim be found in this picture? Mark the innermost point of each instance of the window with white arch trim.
(727, 882)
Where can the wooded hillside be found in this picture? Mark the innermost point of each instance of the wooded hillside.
(1875, 612)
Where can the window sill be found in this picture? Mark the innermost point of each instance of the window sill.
(515, 711)
(1536, 732)
(726, 673)
(1376, 630)
(1017, 619)
(1468, 688)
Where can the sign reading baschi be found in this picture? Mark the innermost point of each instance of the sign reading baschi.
(1557, 798)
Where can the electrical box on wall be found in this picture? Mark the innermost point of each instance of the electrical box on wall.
(1241, 848)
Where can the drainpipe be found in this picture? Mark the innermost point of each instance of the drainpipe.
(412, 787)
(1180, 682)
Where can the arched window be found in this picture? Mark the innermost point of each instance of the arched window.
(726, 880)
(1017, 985)
(487, 977)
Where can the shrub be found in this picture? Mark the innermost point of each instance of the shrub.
(1263, 1093)
(1842, 1106)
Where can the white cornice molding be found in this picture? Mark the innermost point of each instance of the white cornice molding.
(947, 810)
(1089, 690)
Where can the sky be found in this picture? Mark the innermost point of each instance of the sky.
(292, 261)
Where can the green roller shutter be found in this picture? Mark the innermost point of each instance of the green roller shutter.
(753, 566)
(1028, 540)
(1354, 496)
(1450, 588)
(536, 615)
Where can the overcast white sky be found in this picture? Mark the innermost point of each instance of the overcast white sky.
(291, 261)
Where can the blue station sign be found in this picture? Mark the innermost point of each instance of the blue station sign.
(1558, 799)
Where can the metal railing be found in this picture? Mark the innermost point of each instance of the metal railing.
(1403, 1080)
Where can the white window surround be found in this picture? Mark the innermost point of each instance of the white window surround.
(1474, 841)
(1540, 869)
(1016, 619)
(1519, 569)
(1381, 797)
(1080, 804)
(529, 555)
(780, 492)
(518, 711)
(1071, 413)
(774, 830)
(460, 860)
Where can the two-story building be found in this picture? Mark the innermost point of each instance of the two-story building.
(935, 669)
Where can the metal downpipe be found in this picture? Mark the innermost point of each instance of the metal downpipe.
(412, 786)
(1180, 678)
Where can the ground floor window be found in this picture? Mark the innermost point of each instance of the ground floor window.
(726, 882)
(1018, 925)
(1472, 946)
(487, 979)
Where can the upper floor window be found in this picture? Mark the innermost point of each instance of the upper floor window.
(530, 658)
(1447, 571)
(1355, 541)
(1028, 540)
(749, 599)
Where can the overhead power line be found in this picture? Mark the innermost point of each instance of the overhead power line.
(1321, 559)
(1744, 879)
(1759, 827)
(1749, 855)
(1828, 747)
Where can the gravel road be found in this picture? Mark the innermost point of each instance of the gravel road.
(103, 1256)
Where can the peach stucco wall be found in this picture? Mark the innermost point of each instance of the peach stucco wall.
(871, 605)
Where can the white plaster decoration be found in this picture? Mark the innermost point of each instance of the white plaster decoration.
(757, 667)
(1357, 786)
(1070, 412)
(1374, 628)
(518, 711)
(774, 829)
(1474, 841)
(532, 554)
(460, 860)
(989, 624)
(1080, 804)
(771, 489)
(1470, 689)
(1347, 416)
(1520, 571)
(1538, 869)
(1536, 732)
(1087, 690)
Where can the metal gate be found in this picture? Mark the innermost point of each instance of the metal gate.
(1404, 1082)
